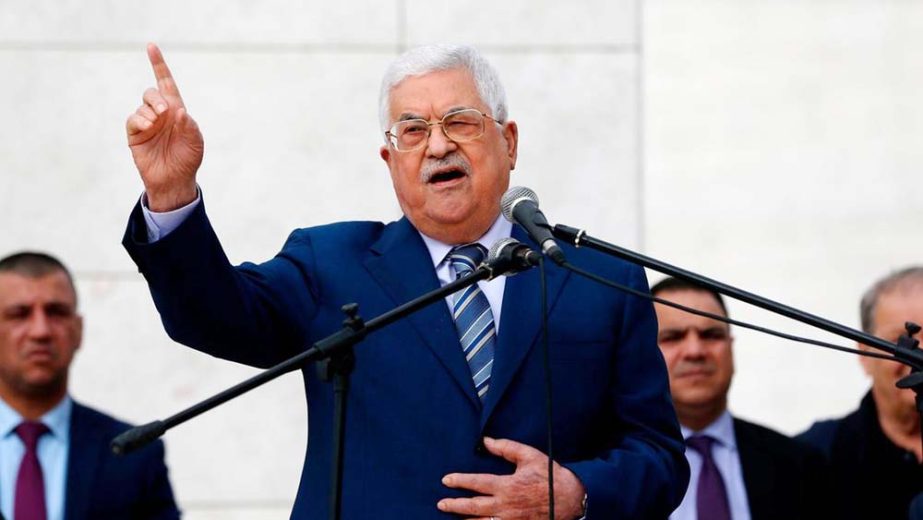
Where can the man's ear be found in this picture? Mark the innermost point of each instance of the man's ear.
(511, 134)
(79, 331)
(385, 153)
(865, 361)
(731, 349)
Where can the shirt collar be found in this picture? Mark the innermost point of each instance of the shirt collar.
(57, 419)
(722, 430)
(501, 228)
(9, 419)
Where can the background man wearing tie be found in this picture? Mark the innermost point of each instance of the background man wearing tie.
(740, 470)
(54, 458)
(429, 389)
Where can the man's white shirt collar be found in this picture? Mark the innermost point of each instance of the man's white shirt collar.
(438, 251)
(493, 289)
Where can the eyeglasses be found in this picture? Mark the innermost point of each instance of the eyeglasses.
(460, 126)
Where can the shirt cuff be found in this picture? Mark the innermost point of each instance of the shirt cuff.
(159, 225)
(584, 507)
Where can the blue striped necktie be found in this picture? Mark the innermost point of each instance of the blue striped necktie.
(473, 318)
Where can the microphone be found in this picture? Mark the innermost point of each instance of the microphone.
(509, 256)
(520, 205)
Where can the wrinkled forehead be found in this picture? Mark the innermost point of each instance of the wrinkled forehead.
(20, 289)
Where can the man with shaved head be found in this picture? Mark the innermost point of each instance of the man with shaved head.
(55, 461)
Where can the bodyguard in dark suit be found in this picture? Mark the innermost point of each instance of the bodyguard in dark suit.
(101, 485)
(55, 461)
(740, 470)
(426, 391)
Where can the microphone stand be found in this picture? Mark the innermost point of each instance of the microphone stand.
(906, 350)
(336, 354)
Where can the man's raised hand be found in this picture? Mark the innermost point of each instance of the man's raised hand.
(165, 141)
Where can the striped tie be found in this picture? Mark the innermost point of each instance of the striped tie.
(473, 319)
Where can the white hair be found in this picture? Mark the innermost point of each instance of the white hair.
(431, 58)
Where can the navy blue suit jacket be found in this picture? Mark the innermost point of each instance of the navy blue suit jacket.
(104, 486)
(413, 413)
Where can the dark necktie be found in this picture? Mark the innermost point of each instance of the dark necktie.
(711, 495)
(473, 318)
(29, 503)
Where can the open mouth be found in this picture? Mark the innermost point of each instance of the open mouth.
(446, 176)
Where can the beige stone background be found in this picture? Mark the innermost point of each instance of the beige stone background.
(771, 145)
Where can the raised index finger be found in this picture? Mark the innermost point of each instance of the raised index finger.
(164, 77)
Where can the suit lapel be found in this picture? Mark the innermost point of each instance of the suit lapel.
(520, 323)
(757, 472)
(82, 458)
(401, 264)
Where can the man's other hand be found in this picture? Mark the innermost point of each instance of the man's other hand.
(522, 495)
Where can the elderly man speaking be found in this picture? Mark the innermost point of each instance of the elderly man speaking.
(429, 393)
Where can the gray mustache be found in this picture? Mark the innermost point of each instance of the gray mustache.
(449, 162)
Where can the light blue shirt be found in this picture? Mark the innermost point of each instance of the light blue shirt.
(727, 459)
(53, 449)
(160, 225)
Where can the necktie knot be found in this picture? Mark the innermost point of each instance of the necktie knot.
(701, 444)
(29, 432)
(466, 258)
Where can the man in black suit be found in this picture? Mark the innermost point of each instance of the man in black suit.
(875, 453)
(739, 470)
(54, 457)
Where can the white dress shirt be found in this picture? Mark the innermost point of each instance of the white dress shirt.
(727, 459)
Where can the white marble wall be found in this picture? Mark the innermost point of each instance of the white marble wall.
(286, 95)
(772, 145)
(782, 154)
